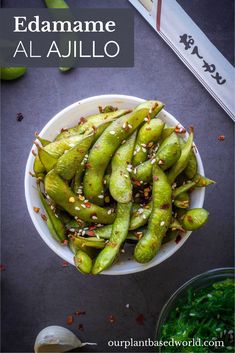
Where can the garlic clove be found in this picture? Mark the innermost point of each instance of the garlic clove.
(56, 339)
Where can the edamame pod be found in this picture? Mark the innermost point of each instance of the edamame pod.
(119, 233)
(167, 131)
(89, 124)
(150, 132)
(106, 145)
(140, 217)
(183, 188)
(83, 262)
(167, 154)
(68, 163)
(54, 224)
(38, 167)
(194, 218)
(106, 231)
(159, 220)
(182, 162)
(63, 196)
(201, 181)
(191, 169)
(120, 185)
(85, 243)
(182, 200)
(12, 73)
(56, 4)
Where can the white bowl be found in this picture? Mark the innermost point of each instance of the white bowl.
(69, 117)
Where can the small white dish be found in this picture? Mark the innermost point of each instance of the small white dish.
(69, 117)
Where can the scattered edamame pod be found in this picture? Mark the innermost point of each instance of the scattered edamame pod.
(12, 73)
(201, 181)
(195, 218)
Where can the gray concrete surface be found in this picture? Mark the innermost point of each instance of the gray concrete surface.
(36, 290)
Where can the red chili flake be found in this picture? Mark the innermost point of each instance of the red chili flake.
(2, 267)
(94, 128)
(190, 219)
(87, 204)
(137, 182)
(19, 117)
(69, 319)
(165, 206)
(78, 313)
(178, 238)
(191, 190)
(100, 109)
(82, 121)
(221, 138)
(65, 264)
(112, 319)
(34, 153)
(149, 118)
(81, 327)
(63, 129)
(140, 319)
(64, 242)
(44, 217)
(179, 129)
(155, 178)
(36, 209)
(88, 165)
(90, 233)
(92, 227)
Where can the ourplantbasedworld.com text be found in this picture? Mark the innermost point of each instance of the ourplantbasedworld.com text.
(171, 343)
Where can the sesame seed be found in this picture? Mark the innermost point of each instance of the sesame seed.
(100, 196)
(83, 205)
(135, 170)
(140, 210)
(127, 306)
(109, 211)
(71, 199)
(144, 216)
(112, 132)
(97, 236)
(77, 208)
(153, 161)
(144, 149)
(162, 223)
(130, 126)
(83, 232)
(124, 141)
(160, 162)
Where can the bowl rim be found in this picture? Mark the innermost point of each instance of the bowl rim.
(173, 297)
(50, 244)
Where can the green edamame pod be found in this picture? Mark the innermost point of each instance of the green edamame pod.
(56, 4)
(195, 218)
(159, 220)
(88, 124)
(201, 181)
(63, 196)
(166, 132)
(150, 132)
(120, 185)
(176, 225)
(38, 167)
(167, 154)
(183, 188)
(182, 162)
(43, 141)
(182, 200)
(54, 224)
(106, 145)
(68, 163)
(78, 177)
(169, 151)
(47, 160)
(12, 73)
(83, 262)
(119, 233)
(86, 243)
(140, 217)
(106, 231)
(191, 169)
(57, 148)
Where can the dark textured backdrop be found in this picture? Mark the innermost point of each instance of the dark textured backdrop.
(36, 290)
